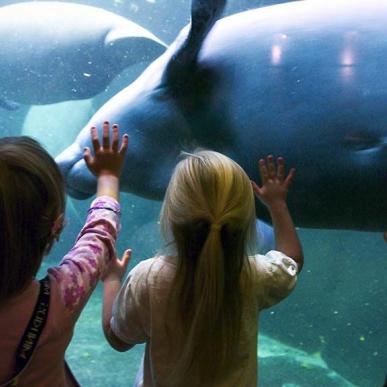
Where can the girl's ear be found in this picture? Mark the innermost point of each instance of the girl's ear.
(57, 227)
(56, 230)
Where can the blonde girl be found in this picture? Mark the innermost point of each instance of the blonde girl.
(196, 306)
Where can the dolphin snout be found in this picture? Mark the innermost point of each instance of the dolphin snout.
(80, 183)
(81, 178)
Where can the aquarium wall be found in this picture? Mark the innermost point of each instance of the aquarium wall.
(54, 79)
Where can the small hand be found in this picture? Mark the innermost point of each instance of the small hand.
(275, 185)
(116, 268)
(107, 160)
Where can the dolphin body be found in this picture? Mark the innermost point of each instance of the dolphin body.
(305, 80)
(57, 51)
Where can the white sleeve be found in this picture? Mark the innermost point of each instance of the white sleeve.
(276, 277)
(130, 309)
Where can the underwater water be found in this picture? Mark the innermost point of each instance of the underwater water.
(331, 331)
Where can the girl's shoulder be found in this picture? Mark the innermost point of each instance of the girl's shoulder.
(153, 271)
(272, 261)
(274, 275)
(155, 263)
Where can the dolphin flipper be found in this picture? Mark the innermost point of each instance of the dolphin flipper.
(204, 14)
(134, 43)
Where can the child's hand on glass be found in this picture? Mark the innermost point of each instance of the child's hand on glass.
(108, 159)
(275, 184)
(117, 267)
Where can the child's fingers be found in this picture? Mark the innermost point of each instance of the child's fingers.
(263, 171)
(256, 188)
(94, 139)
(290, 177)
(127, 255)
(105, 135)
(270, 166)
(280, 168)
(124, 144)
(87, 156)
(115, 138)
(126, 258)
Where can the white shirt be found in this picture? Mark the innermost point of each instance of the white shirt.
(139, 314)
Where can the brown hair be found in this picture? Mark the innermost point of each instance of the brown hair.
(209, 215)
(32, 196)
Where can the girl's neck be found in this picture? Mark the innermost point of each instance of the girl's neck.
(31, 286)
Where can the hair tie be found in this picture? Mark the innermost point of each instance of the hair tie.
(216, 226)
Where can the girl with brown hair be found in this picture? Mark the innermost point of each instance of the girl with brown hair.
(37, 318)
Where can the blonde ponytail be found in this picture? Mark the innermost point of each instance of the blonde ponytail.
(209, 214)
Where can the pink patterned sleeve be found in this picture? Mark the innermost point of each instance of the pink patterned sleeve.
(82, 267)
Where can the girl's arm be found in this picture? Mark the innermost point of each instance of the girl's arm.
(111, 287)
(82, 267)
(107, 165)
(272, 194)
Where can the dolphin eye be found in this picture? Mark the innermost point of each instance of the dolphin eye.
(162, 94)
(359, 141)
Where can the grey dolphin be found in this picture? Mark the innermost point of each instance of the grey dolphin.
(305, 80)
(57, 51)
